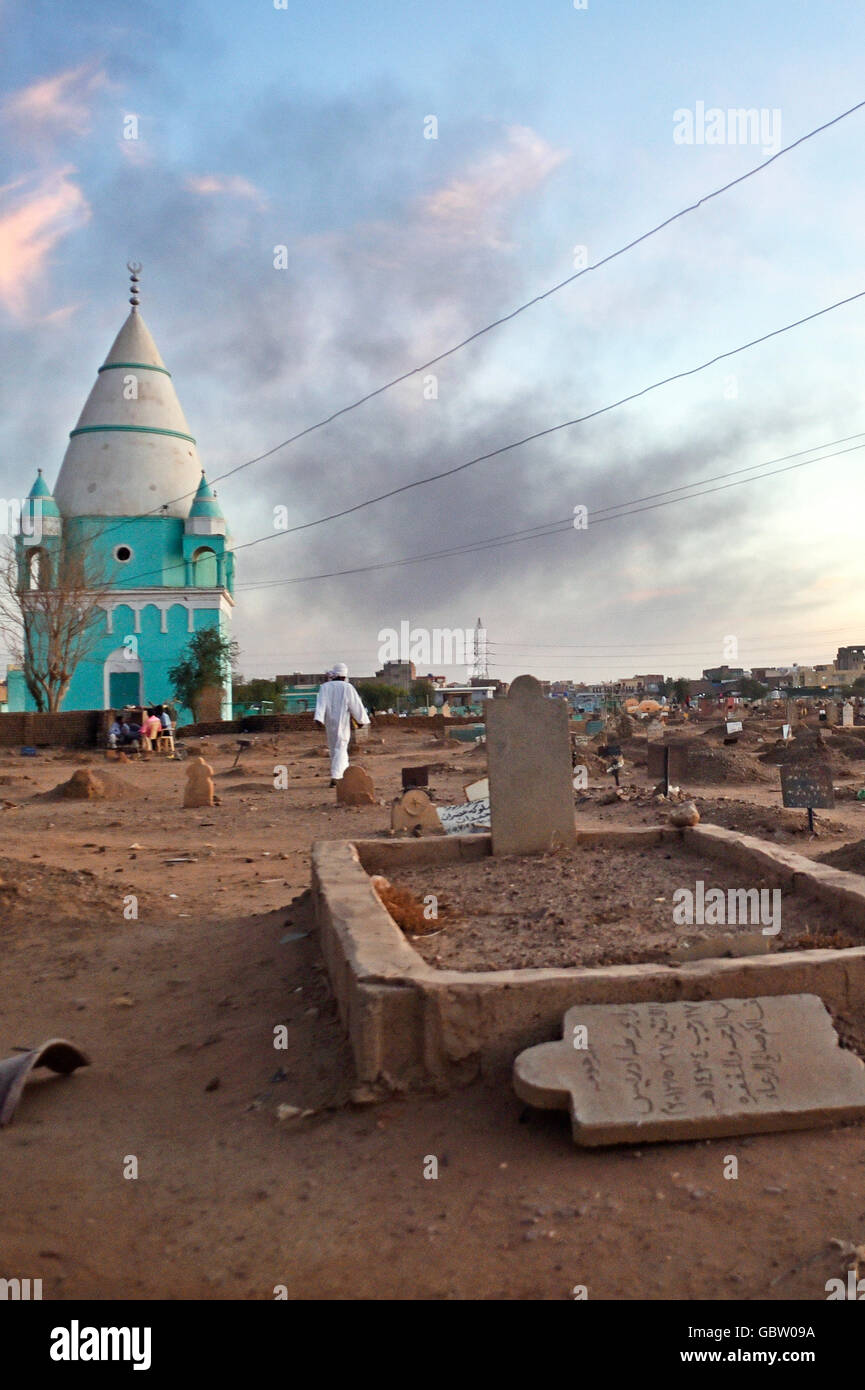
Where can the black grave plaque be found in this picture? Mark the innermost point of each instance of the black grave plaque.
(807, 785)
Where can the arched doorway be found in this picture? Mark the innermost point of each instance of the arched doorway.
(122, 679)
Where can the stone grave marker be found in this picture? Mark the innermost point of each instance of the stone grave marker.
(355, 788)
(466, 818)
(415, 813)
(635, 1073)
(847, 715)
(529, 757)
(199, 784)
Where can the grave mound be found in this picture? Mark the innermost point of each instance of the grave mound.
(85, 785)
(591, 906)
(708, 766)
(766, 822)
(248, 787)
(850, 857)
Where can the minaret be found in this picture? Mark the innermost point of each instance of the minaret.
(131, 450)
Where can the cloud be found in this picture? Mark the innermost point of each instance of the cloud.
(232, 185)
(470, 206)
(56, 105)
(32, 221)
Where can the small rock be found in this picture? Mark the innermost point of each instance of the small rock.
(363, 1095)
(288, 1112)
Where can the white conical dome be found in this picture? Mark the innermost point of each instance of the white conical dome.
(129, 456)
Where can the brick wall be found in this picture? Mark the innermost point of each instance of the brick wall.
(287, 723)
(69, 729)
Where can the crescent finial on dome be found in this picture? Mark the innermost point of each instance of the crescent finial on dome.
(134, 268)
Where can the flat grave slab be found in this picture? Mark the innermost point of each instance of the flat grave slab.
(643, 1072)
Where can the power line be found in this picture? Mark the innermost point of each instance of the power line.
(554, 289)
(558, 527)
(553, 429)
(506, 318)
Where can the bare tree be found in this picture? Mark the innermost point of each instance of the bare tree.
(50, 615)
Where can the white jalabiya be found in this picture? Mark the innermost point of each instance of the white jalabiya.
(337, 703)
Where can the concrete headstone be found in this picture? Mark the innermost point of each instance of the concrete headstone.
(414, 812)
(355, 788)
(632, 1073)
(529, 756)
(199, 783)
(847, 715)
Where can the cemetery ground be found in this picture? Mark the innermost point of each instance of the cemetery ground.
(177, 1008)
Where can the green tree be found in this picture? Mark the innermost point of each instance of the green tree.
(258, 689)
(422, 692)
(378, 696)
(751, 689)
(207, 661)
(681, 689)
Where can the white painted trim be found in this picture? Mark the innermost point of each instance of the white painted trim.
(164, 599)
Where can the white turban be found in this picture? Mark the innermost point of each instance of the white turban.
(340, 669)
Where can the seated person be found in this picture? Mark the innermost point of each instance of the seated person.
(114, 733)
(130, 734)
(164, 718)
(150, 729)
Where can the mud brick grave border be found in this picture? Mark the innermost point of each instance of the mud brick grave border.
(413, 1025)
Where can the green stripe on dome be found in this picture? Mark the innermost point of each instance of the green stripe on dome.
(134, 429)
(140, 366)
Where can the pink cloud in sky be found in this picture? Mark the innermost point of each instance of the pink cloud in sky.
(60, 103)
(232, 185)
(33, 219)
(469, 207)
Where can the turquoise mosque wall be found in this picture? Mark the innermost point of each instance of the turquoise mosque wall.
(156, 650)
(161, 554)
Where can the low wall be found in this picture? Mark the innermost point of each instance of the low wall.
(410, 1024)
(289, 723)
(69, 729)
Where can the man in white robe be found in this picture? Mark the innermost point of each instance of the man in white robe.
(337, 704)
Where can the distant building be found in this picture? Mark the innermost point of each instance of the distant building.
(850, 659)
(302, 678)
(398, 673)
(723, 674)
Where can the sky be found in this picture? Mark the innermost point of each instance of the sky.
(429, 168)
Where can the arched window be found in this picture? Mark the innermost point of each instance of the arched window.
(205, 569)
(39, 569)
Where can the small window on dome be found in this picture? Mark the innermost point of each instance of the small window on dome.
(122, 553)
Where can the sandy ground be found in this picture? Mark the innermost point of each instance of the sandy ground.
(177, 1008)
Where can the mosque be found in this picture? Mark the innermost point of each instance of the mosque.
(132, 492)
